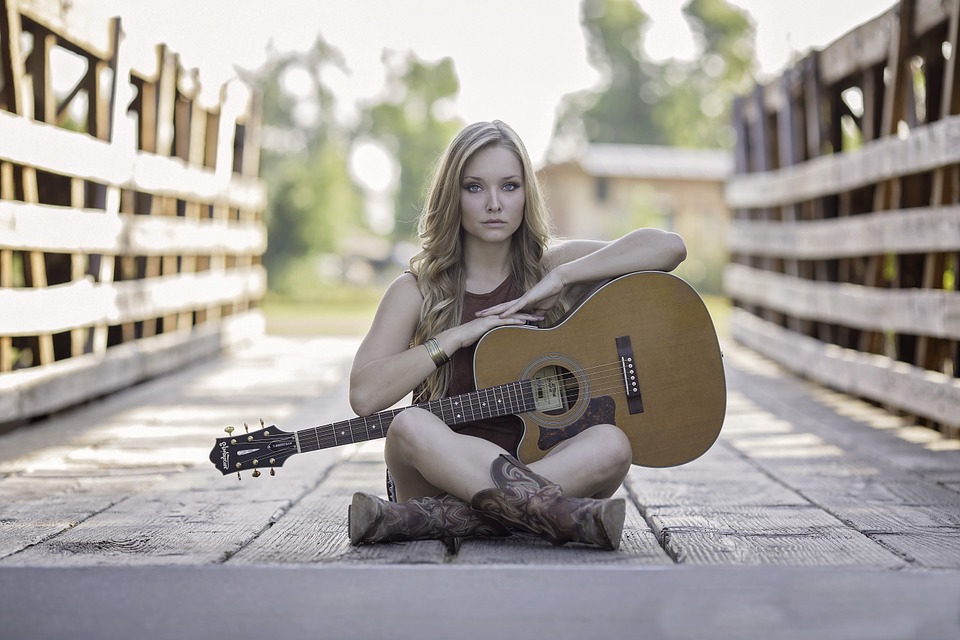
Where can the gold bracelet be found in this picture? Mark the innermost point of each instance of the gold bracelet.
(436, 352)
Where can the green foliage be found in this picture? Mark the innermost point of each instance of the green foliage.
(682, 103)
(312, 202)
(409, 122)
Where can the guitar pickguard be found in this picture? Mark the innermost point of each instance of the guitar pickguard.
(600, 410)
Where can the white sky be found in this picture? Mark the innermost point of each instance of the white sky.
(516, 59)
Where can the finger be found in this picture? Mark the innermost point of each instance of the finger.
(500, 309)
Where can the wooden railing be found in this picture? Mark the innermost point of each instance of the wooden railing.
(845, 242)
(130, 210)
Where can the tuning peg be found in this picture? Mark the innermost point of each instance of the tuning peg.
(246, 429)
(238, 476)
(273, 471)
(229, 430)
(256, 473)
(262, 425)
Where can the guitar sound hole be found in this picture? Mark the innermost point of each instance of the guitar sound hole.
(555, 390)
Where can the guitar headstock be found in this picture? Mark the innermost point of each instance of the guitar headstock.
(267, 448)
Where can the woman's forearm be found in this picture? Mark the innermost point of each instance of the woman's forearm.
(639, 250)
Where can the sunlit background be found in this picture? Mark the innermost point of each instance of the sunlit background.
(359, 98)
(515, 59)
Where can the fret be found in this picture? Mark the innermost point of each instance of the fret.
(472, 399)
(492, 405)
(526, 392)
(381, 432)
(344, 431)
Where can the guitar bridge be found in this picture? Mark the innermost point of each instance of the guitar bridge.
(631, 383)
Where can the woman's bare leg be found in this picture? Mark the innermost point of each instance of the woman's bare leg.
(426, 457)
(591, 464)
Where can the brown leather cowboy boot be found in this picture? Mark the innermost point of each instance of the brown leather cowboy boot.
(531, 503)
(371, 520)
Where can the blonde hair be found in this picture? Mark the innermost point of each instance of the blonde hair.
(439, 266)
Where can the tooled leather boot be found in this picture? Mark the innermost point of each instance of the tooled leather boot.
(531, 503)
(446, 518)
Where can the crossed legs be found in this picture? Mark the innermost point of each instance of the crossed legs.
(559, 497)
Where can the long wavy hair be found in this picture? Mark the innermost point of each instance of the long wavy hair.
(439, 265)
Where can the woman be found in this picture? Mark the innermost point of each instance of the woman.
(486, 261)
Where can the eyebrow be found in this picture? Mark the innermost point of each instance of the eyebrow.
(514, 177)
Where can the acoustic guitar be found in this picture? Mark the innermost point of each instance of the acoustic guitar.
(639, 352)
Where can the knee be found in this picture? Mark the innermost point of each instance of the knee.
(614, 448)
(407, 430)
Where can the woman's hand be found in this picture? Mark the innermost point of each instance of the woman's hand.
(469, 332)
(536, 302)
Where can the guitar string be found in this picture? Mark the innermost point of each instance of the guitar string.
(606, 378)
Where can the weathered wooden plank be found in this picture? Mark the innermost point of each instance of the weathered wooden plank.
(928, 312)
(134, 533)
(85, 303)
(25, 227)
(34, 392)
(315, 530)
(34, 510)
(918, 391)
(77, 155)
(924, 149)
(857, 50)
(874, 442)
(755, 489)
(881, 490)
(931, 550)
(919, 230)
(765, 536)
(899, 518)
(719, 478)
(358, 474)
(926, 536)
(638, 546)
(193, 517)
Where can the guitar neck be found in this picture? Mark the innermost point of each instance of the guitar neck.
(506, 399)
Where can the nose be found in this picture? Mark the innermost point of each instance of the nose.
(493, 203)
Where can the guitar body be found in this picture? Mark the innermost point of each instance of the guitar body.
(651, 321)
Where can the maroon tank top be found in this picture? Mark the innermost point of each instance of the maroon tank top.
(504, 431)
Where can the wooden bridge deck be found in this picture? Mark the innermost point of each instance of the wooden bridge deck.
(800, 477)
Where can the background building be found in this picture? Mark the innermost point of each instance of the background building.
(608, 189)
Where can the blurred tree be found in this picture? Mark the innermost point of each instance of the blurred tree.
(675, 102)
(313, 203)
(411, 121)
(696, 111)
(620, 112)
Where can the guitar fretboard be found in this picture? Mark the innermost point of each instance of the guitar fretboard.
(505, 399)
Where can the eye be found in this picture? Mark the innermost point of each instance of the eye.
(510, 186)
(473, 187)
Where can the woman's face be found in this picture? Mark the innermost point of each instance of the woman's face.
(492, 195)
